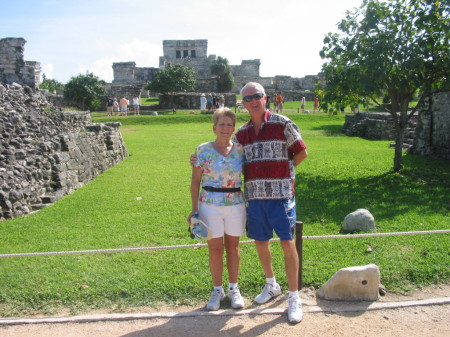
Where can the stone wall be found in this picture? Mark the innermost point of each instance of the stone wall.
(247, 68)
(433, 127)
(376, 126)
(13, 67)
(427, 133)
(46, 153)
(191, 100)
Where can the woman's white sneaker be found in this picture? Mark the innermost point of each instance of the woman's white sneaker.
(269, 291)
(214, 301)
(236, 299)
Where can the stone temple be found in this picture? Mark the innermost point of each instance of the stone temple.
(129, 79)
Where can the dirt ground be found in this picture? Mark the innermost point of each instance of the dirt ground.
(392, 315)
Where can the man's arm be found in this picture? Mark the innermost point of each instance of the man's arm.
(299, 157)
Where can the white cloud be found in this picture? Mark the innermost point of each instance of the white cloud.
(47, 69)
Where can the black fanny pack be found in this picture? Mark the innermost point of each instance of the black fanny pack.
(223, 190)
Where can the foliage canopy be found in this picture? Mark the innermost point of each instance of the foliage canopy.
(87, 91)
(51, 84)
(392, 49)
(173, 78)
(221, 69)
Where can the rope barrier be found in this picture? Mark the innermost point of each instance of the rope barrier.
(197, 245)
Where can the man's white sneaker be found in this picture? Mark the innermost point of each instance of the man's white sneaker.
(269, 291)
(295, 312)
(236, 299)
(214, 300)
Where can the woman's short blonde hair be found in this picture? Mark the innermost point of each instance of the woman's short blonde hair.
(223, 112)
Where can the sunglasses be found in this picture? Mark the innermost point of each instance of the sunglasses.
(257, 96)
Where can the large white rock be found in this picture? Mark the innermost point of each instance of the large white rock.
(352, 284)
(359, 220)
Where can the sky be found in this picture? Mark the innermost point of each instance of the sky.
(72, 37)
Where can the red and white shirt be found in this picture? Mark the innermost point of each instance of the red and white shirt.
(269, 171)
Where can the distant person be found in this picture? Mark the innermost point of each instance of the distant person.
(116, 107)
(123, 103)
(136, 105)
(215, 101)
(219, 202)
(268, 102)
(279, 100)
(316, 104)
(302, 104)
(109, 106)
(209, 102)
(202, 103)
(221, 101)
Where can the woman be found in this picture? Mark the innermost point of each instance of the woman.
(220, 204)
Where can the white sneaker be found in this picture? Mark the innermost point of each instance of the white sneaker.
(214, 300)
(269, 291)
(295, 312)
(236, 299)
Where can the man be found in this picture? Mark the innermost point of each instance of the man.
(273, 147)
(124, 105)
(109, 106)
(279, 100)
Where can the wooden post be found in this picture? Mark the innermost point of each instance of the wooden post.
(299, 247)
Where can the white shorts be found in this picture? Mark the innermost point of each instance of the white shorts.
(222, 220)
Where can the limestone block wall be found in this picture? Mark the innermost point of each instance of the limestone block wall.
(45, 153)
(247, 68)
(432, 135)
(13, 67)
(191, 100)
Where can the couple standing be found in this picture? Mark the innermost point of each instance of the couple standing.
(266, 150)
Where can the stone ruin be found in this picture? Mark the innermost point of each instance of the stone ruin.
(13, 68)
(432, 136)
(45, 153)
(427, 134)
(129, 80)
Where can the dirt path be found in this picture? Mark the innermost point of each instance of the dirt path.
(321, 318)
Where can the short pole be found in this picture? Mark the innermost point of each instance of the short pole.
(299, 247)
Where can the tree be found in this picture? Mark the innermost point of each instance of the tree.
(51, 84)
(173, 79)
(225, 79)
(394, 49)
(85, 91)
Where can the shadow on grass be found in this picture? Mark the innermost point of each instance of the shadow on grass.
(330, 130)
(416, 190)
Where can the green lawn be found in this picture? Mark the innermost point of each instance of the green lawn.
(144, 201)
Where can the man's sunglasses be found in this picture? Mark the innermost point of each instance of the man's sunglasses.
(257, 96)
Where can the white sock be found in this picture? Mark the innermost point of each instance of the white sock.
(218, 288)
(232, 285)
(293, 293)
(271, 280)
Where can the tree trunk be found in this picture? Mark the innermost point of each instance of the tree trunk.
(398, 156)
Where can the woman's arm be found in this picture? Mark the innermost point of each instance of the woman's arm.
(195, 189)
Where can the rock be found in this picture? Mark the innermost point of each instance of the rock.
(359, 220)
(353, 284)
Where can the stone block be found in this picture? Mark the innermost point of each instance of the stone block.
(352, 284)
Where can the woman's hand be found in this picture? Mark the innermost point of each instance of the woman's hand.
(190, 216)
(193, 159)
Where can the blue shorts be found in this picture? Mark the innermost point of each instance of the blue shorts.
(266, 216)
